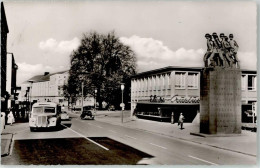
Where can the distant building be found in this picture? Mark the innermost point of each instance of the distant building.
(159, 93)
(11, 75)
(4, 31)
(49, 87)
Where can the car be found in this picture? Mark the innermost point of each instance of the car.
(64, 115)
(2, 121)
(87, 114)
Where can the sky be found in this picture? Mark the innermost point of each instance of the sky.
(42, 34)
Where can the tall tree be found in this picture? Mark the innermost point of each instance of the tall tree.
(101, 62)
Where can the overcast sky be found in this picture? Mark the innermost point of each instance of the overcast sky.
(162, 33)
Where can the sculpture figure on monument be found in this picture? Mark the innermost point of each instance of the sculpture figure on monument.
(216, 57)
(209, 49)
(234, 48)
(227, 51)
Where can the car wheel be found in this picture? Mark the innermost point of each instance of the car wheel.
(32, 129)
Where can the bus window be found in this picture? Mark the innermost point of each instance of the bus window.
(49, 110)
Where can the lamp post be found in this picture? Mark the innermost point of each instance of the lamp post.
(82, 91)
(122, 104)
(95, 99)
(30, 92)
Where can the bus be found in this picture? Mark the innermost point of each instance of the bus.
(45, 115)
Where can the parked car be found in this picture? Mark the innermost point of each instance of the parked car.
(2, 121)
(87, 114)
(76, 109)
(64, 115)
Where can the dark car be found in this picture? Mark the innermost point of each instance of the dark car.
(87, 115)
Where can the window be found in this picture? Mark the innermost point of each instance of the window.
(243, 82)
(192, 80)
(180, 80)
(251, 82)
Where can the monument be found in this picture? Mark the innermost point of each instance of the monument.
(220, 97)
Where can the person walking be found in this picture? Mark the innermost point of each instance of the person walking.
(10, 118)
(181, 119)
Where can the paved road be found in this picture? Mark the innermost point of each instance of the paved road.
(165, 150)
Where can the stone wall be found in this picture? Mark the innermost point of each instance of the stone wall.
(220, 101)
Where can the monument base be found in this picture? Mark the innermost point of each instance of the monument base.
(220, 101)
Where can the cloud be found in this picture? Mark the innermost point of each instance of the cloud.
(53, 45)
(27, 71)
(153, 54)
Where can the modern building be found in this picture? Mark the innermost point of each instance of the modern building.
(158, 94)
(4, 32)
(46, 87)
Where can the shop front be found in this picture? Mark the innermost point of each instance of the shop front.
(168, 110)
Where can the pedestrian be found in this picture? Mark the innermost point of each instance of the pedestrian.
(181, 119)
(10, 118)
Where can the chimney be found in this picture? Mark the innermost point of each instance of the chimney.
(46, 73)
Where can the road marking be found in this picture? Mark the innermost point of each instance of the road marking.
(130, 137)
(202, 160)
(112, 131)
(87, 138)
(158, 146)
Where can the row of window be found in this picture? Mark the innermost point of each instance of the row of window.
(163, 82)
(184, 80)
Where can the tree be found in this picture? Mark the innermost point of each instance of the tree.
(101, 62)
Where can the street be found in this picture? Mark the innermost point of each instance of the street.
(85, 142)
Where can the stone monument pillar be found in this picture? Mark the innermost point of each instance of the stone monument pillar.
(220, 99)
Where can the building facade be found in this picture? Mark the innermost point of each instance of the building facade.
(4, 32)
(49, 87)
(162, 93)
(11, 75)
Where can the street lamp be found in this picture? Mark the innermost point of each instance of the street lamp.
(95, 99)
(82, 91)
(122, 104)
(30, 92)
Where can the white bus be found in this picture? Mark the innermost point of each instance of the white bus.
(45, 114)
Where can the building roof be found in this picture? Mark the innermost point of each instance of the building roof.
(166, 69)
(43, 78)
(176, 68)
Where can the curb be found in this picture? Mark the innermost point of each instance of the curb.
(180, 138)
(8, 146)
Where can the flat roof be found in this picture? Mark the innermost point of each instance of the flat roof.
(178, 68)
(166, 69)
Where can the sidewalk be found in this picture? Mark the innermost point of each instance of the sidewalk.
(6, 140)
(245, 143)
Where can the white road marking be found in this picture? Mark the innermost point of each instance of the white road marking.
(130, 137)
(87, 138)
(202, 160)
(112, 131)
(158, 146)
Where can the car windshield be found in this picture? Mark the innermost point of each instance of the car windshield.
(41, 110)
